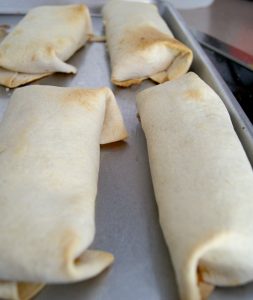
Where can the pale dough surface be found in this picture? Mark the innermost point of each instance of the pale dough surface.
(49, 162)
(203, 185)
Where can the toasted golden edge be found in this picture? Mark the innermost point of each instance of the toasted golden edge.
(127, 83)
(205, 290)
(96, 38)
(18, 79)
(27, 291)
(161, 76)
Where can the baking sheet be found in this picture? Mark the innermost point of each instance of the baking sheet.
(126, 213)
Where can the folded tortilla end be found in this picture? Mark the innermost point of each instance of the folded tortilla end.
(89, 264)
(113, 128)
(205, 290)
(27, 291)
(127, 83)
(11, 79)
(160, 77)
(19, 291)
(92, 38)
(141, 45)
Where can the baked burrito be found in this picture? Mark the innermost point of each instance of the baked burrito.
(141, 45)
(49, 163)
(43, 40)
(203, 184)
(13, 79)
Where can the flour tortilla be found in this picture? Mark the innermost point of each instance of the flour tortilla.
(203, 185)
(49, 163)
(12, 79)
(141, 45)
(42, 41)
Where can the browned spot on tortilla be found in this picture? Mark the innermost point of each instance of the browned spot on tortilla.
(145, 36)
(96, 38)
(77, 12)
(84, 98)
(139, 39)
(79, 9)
(205, 288)
(78, 261)
(150, 36)
(127, 83)
(142, 38)
(49, 50)
(201, 271)
(114, 146)
(194, 95)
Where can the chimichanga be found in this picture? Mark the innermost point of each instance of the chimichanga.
(12, 79)
(203, 185)
(141, 45)
(49, 163)
(44, 39)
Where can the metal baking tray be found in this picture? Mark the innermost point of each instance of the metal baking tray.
(126, 214)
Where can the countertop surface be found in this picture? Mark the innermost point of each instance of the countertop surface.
(228, 20)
